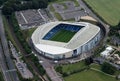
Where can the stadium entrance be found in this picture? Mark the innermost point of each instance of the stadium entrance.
(74, 53)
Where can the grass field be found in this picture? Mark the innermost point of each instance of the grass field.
(109, 10)
(63, 36)
(89, 75)
(72, 67)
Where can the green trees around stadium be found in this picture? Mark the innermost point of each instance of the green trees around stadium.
(36, 62)
(108, 68)
(114, 30)
(2, 1)
(19, 34)
(88, 61)
(59, 69)
(25, 45)
(17, 5)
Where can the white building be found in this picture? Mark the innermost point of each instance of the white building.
(84, 40)
(107, 52)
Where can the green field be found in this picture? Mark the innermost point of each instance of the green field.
(109, 10)
(89, 75)
(63, 36)
(72, 67)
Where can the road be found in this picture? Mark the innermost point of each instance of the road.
(4, 66)
(50, 70)
(47, 65)
(9, 62)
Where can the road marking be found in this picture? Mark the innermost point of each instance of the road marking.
(24, 17)
(41, 15)
(11, 70)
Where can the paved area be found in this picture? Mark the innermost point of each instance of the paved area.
(49, 69)
(3, 66)
(31, 18)
(21, 66)
(52, 73)
(47, 65)
(68, 10)
(21, 49)
(9, 62)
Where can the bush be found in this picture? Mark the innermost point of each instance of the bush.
(36, 62)
(19, 34)
(108, 68)
(59, 69)
(15, 5)
(88, 61)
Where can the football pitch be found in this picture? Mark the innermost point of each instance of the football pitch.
(89, 75)
(109, 10)
(63, 36)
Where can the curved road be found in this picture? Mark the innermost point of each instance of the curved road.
(89, 11)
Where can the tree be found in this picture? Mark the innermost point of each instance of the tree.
(59, 69)
(108, 68)
(43, 3)
(2, 2)
(8, 7)
(35, 4)
(88, 61)
(6, 10)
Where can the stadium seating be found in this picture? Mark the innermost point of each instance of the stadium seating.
(52, 32)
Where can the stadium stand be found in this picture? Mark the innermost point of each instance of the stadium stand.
(46, 41)
(52, 32)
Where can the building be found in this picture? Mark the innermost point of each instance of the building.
(107, 52)
(85, 37)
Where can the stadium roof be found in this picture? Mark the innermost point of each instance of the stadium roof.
(52, 49)
(79, 39)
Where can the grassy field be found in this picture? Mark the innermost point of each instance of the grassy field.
(63, 36)
(72, 67)
(89, 75)
(107, 9)
(96, 66)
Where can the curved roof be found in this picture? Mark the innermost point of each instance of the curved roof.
(52, 49)
(79, 39)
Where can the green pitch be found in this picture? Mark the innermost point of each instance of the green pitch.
(89, 75)
(109, 10)
(63, 36)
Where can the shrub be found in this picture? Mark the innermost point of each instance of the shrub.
(108, 68)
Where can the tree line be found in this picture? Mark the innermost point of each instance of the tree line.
(16, 5)
(2, 1)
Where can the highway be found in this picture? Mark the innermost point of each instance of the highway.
(9, 63)
(4, 66)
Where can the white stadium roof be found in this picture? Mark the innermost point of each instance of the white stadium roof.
(53, 47)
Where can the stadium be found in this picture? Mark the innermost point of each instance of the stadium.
(59, 40)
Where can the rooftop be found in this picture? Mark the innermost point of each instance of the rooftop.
(79, 39)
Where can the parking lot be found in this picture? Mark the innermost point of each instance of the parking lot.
(68, 10)
(21, 66)
(31, 18)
